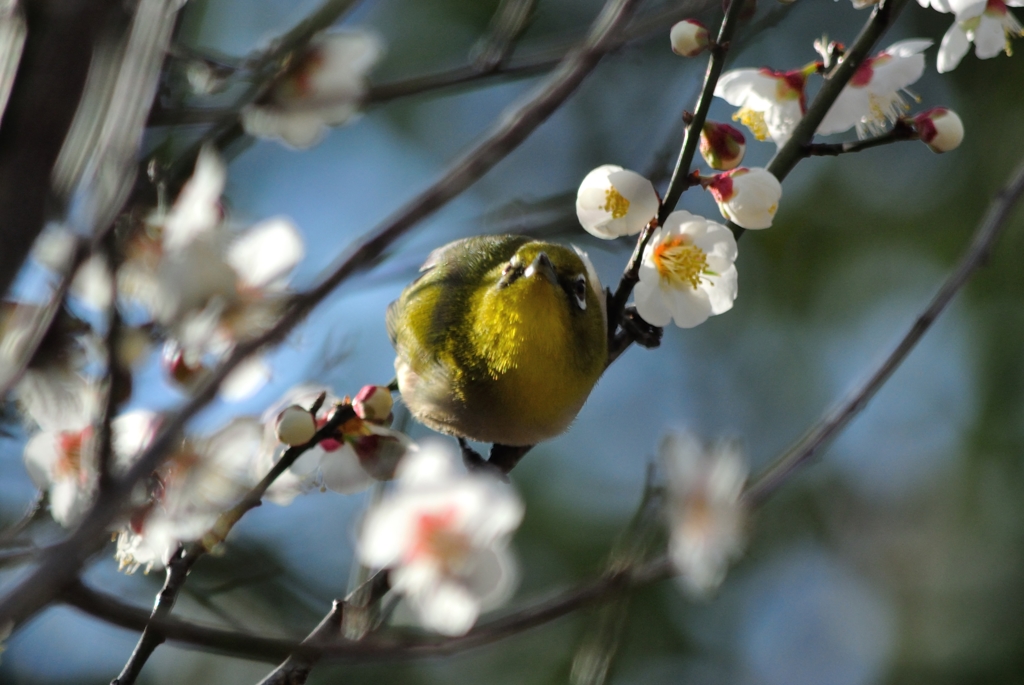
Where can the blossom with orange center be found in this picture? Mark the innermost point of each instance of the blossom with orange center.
(687, 273)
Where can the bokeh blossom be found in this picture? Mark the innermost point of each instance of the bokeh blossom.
(706, 517)
(444, 535)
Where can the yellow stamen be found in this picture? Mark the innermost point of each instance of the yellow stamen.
(615, 203)
(679, 261)
(754, 121)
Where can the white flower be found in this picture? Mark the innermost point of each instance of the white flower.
(705, 513)
(687, 273)
(872, 97)
(613, 202)
(197, 210)
(325, 88)
(444, 536)
(990, 26)
(747, 197)
(771, 102)
(940, 129)
(194, 486)
(689, 38)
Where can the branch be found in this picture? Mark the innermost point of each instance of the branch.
(882, 17)
(830, 425)
(680, 180)
(59, 565)
(260, 648)
(900, 131)
(187, 555)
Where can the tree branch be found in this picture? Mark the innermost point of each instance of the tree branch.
(833, 422)
(59, 564)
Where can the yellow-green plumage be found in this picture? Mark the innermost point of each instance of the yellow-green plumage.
(500, 339)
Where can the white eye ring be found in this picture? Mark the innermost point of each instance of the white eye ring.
(580, 292)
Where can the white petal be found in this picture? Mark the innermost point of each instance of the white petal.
(650, 300)
(245, 380)
(966, 9)
(342, 472)
(989, 38)
(266, 253)
(450, 609)
(846, 111)
(953, 48)
(690, 308)
(747, 88)
(722, 290)
(40, 456)
(197, 208)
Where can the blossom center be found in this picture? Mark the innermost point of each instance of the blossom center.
(679, 262)
(615, 203)
(436, 538)
(69, 447)
(754, 121)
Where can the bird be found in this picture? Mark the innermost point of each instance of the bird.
(500, 340)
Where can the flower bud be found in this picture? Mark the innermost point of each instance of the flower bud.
(183, 370)
(722, 146)
(748, 197)
(689, 38)
(940, 129)
(373, 403)
(613, 202)
(295, 426)
(380, 452)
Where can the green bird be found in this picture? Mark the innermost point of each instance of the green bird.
(500, 340)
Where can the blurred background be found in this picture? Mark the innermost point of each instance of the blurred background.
(896, 559)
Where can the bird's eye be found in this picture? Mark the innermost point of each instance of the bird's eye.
(579, 290)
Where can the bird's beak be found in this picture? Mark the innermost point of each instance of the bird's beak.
(542, 265)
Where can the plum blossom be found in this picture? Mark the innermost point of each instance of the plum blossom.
(361, 451)
(705, 513)
(60, 457)
(201, 480)
(688, 272)
(689, 38)
(989, 25)
(771, 102)
(747, 197)
(613, 202)
(872, 98)
(325, 87)
(444, 535)
(940, 129)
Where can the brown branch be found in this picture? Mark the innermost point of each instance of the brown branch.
(833, 422)
(186, 556)
(59, 565)
(260, 648)
(901, 131)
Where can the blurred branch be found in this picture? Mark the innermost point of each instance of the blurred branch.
(297, 667)
(34, 511)
(186, 556)
(508, 23)
(537, 62)
(59, 565)
(260, 648)
(830, 425)
(49, 82)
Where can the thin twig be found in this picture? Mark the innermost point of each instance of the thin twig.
(261, 648)
(681, 179)
(59, 565)
(900, 131)
(882, 17)
(186, 556)
(296, 668)
(820, 435)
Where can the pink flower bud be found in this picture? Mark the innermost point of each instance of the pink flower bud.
(940, 129)
(722, 146)
(295, 426)
(689, 38)
(373, 403)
